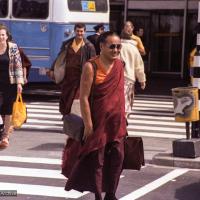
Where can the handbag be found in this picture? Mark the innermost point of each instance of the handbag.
(19, 113)
(133, 153)
(59, 67)
(73, 125)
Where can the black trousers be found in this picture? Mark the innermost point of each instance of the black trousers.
(8, 94)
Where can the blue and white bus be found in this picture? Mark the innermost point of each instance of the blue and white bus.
(40, 26)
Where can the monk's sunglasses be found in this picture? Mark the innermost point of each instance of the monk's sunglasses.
(113, 46)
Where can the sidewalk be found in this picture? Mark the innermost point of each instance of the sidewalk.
(166, 158)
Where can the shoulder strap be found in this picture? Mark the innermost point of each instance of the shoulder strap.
(94, 65)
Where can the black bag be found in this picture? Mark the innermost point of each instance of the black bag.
(133, 153)
(73, 126)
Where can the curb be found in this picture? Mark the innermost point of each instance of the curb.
(167, 159)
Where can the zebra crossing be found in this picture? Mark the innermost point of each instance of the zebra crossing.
(43, 116)
(38, 178)
(151, 116)
(44, 181)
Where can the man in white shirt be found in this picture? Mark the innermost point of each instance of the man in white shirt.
(134, 69)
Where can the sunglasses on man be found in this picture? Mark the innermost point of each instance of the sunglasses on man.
(115, 46)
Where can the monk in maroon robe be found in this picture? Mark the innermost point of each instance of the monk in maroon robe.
(97, 164)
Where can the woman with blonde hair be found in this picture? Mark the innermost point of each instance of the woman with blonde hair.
(11, 80)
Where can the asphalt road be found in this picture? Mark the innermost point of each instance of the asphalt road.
(151, 183)
(31, 166)
(22, 169)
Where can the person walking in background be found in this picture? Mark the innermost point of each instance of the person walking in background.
(26, 65)
(78, 50)
(191, 57)
(134, 69)
(94, 39)
(128, 29)
(97, 164)
(11, 80)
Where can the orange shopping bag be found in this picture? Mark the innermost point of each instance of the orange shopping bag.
(19, 114)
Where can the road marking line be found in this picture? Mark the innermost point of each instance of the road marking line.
(50, 161)
(41, 190)
(31, 172)
(43, 103)
(48, 116)
(157, 135)
(153, 109)
(132, 116)
(155, 184)
(147, 105)
(42, 127)
(159, 123)
(41, 121)
(153, 128)
(150, 101)
(52, 107)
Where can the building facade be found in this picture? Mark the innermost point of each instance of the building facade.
(168, 29)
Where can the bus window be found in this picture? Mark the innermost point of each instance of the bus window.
(88, 6)
(31, 9)
(3, 8)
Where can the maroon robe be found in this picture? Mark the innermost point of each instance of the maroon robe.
(87, 165)
(26, 63)
(71, 82)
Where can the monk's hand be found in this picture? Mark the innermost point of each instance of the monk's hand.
(50, 74)
(88, 131)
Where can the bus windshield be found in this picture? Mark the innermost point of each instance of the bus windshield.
(88, 6)
(3, 8)
(31, 9)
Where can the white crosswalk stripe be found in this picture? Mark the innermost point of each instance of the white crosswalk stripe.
(38, 185)
(43, 116)
(152, 116)
(47, 183)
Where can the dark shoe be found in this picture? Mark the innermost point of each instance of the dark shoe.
(110, 197)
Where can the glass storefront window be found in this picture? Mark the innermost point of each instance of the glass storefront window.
(166, 41)
(88, 6)
(3, 8)
(31, 9)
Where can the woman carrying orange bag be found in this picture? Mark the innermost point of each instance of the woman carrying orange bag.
(11, 80)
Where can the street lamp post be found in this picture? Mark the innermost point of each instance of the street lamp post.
(195, 73)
